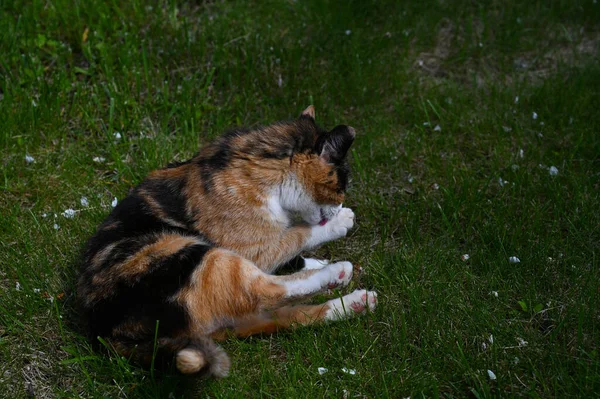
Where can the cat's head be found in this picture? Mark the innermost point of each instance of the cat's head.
(319, 170)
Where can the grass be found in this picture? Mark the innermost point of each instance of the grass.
(169, 75)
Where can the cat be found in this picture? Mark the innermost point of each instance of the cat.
(189, 256)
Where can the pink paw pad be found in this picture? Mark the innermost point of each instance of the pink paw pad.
(357, 306)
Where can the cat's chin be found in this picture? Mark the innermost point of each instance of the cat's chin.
(313, 218)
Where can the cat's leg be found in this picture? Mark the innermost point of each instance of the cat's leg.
(311, 281)
(312, 263)
(226, 286)
(287, 317)
(268, 256)
(300, 263)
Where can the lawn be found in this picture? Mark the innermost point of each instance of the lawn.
(478, 133)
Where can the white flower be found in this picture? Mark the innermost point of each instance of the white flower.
(483, 346)
(502, 182)
(521, 153)
(56, 226)
(322, 370)
(514, 259)
(18, 286)
(99, 159)
(491, 339)
(495, 293)
(437, 128)
(491, 375)
(44, 215)
(114, 202)
(69, 213)
(29, 158)
(522, 342)
(534, 115)
(84, 201)
(117, 135)
(516, 99)
(465, 257)
(348, 371)
(36, 290)
(348, 31)
(435, 186)
(553, 170)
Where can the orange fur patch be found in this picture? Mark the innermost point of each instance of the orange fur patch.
(226, 286)
(317, 178)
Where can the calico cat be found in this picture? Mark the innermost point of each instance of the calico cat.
(188, 256)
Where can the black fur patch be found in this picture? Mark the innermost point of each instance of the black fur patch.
(145, 300)
(214, 163)
(291, 266)
(168, 193)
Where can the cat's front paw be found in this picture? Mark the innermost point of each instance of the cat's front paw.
(341, 223)
(335, 228)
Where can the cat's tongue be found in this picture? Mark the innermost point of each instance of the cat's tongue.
(324, 220)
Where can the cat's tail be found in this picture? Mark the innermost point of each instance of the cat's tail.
(198, 354)
(203, 352)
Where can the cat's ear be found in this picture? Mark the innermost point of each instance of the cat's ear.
(309, 112)
(333, 146)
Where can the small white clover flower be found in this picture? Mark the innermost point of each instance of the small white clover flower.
(69, 213)
(514, 259)
(29, 158)
(84, 201)
(491, 375)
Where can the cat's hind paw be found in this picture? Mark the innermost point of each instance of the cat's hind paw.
(340, 274)
(352, 304)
